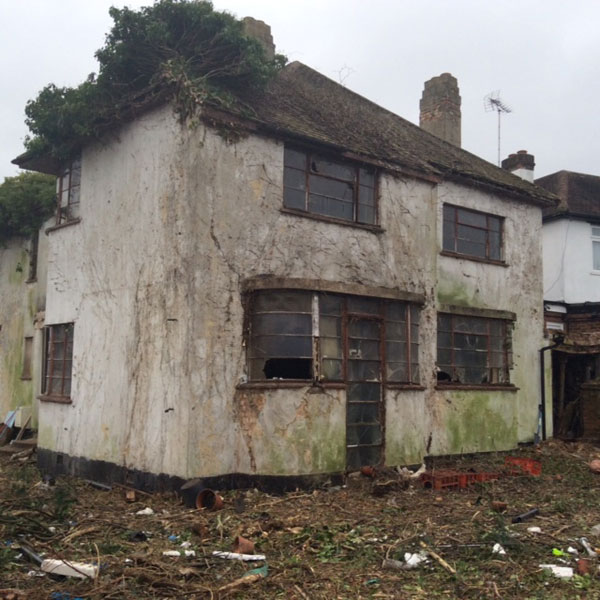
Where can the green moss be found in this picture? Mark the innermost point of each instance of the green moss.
(318, 448)
(478, 422)
(17, 275)
(19, 392)
(406, 449)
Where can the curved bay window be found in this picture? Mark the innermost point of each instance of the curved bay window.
(302, 335)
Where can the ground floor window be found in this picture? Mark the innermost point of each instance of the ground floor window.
(58, 360)
(319, 336)
(473, 350)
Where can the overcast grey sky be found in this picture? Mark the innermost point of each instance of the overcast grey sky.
(543, 56)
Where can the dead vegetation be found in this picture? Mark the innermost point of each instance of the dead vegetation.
(329, 543)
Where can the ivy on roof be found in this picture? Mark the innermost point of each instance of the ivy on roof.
(181, 50)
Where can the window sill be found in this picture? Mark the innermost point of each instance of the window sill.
(488, 261)
(594, 272)
(62, 225)
(307, 215)
(55, 399)
(405, 386)
(25, 378)
(32, 280)
(477, 387)
(290, 384)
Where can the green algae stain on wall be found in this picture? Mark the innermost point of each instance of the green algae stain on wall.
(407, 448)
(18, 392)
(481, 422)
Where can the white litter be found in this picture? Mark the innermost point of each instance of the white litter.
(69, 568)
(572, 550)
(171, 553)
(145, 511)
(35, 574)
(591, 552)
(562, 572)
(236, 556)
(534, 529)
(52, 529)
(412, 561)
(498, 549)
(185, 544)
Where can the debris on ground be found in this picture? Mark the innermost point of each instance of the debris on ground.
(335, 542)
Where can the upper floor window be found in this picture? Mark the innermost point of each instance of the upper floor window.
(473, 350)
(596, 247)
(319, 336)
(68, 192)
(472, 233)
(318, 185)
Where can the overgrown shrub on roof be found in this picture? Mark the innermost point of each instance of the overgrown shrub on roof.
(175, 49)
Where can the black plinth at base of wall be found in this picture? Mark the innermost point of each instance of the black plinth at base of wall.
(57, 463)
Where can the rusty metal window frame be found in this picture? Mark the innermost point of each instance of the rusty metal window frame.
(68, 191)
(58, 359)
(496, 372)
(321, 335)
(455, 217)
(364, 194)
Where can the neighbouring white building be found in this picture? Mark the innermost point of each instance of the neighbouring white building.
(330, 287)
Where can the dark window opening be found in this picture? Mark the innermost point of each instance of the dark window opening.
(473, 350)
(320, 186)
(288, 368)
(27, 357)
(472, 233)
(33, 256)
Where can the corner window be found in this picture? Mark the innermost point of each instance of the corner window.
(596, 248)
(68, 185)
(320, 186)
(472, 233)
(58, 360)
(317, 336)
(473, 350)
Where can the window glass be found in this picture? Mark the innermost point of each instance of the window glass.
(596, 249)
(58, 360)
(472, 233)
(330, 188)
(472, 350)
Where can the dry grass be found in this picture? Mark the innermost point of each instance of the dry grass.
(328, 544)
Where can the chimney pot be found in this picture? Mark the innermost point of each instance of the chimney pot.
(440, 108)
(522, 164)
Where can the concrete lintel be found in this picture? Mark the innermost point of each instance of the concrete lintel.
(334, 287)
(473, 311)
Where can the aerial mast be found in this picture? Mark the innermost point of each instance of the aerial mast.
(493, 102)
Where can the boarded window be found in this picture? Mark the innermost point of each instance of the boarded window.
(59, 359)
(473, 350)
(320, 186)
(27, 357)
(304, 335)
(472, 233)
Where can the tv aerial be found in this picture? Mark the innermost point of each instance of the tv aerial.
(493, 102)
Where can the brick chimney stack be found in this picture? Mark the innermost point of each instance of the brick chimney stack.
(440, 108)
(262, 32)
(520, 164)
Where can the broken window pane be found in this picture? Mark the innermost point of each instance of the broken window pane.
(330, 305)
(467, 353)
(364, 392)
(363, 412)
(363, 456)
(321, 186)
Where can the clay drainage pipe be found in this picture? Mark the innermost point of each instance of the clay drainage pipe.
(209, 500)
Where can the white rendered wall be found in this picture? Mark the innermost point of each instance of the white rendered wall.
(568, 265)
(174, 221)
